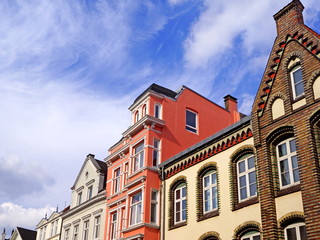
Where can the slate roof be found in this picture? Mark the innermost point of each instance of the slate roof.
(27, 234)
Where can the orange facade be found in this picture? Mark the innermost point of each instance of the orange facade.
(164, 123)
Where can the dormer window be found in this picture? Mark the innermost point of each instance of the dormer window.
(297, 82)
(157, 110)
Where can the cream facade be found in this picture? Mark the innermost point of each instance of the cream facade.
(86, 217)
(49, 228)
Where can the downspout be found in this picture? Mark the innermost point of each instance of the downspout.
(163, 208)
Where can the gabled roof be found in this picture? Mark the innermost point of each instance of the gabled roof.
(27, 234)
(99, 165)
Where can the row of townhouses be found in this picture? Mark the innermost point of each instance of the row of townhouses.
(188, 168)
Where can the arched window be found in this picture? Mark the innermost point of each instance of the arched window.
(178, 203)
(248, 231)
(295, 70)
(136, 116)
(144, 110)
(207, 190)
(157, 110)
(251, 235)
(295, 231)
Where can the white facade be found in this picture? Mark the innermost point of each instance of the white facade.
(49, 229)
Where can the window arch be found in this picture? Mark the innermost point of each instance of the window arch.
(293, 226)
(247, 231)
(243, 177)
(178, 203)
(157, 110)
(207, 192)
(144, 110)
(315, 124)
(212, 235)
(136, 116)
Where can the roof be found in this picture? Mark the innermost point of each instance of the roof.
(159, 89)
(205, 142)
(27, 234)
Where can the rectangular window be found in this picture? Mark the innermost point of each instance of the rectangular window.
(116, 180)
(156, 152)
(114, 226)
(125, 173)
(297, 82)
(288, 163)
(180, 204)
(135, 208)
(96, 230)
(138, 158)
(44, 232)
(191, 121)
(66, 234)
(75, 232)
(56, 227)
(52, 228)
(210, 192)
(79, 198)
(154, 206)
(296, 231)
(86, 230)
(247, 180)
(89, 196)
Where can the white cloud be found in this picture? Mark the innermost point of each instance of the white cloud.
(176, 2)
(13, 215)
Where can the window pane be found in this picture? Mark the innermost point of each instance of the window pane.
(206, 206)
(299, 89)
(296, 177)
(153, 212)
(284, 166)
(303, 232)
(184, 204)
(285, 179)
(139, 213)
(178, 206)
(253, 189)
(250, 162)
(242, 166)
(206, 195)
(178, 194)
(242, 181)
(191, 119)
(292, 146)
(256, 238)
(214, 203)
(243, 193)
(154, 195)
(297, 76)
(291, 234)
(214, 178)
(282, 150)
(184, 215)
(184, 191)
(252, 177)
(206, 180)
(294, 161)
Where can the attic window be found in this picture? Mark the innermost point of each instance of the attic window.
(87, 174)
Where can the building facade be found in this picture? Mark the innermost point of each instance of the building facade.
(49, 228)
(259, 178)
(164, 122)
(84, 219)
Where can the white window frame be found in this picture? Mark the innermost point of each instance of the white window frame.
(86, 225)
(135, 215)
(75, 232)
(96, 228)
(114, 225)
(66, 234)
(90, 192)
(180, 203)
(296, 226)
(125, 173)
(156, 152)
(44, 232)
(158, 113)
(190, 128)
(56, 227)
(138, 157)
(212, 188)
(116, 180)
(250, 235)
(289, 157)
(52, 228)
(154, 206)
(246, 175)
(293, 84)
(79, 198)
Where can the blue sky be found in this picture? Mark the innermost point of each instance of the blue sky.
(69, 70)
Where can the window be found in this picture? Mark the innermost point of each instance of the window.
(156, 149)
(252, 235)
(154, 206)
(75, 232)
(96, 230)
(180, 203)
(56, 227)
(116, 180)
(191, 121)
(44, 232)
(247, 180)
(79, 198)
(157, 110)
(113, 227)
(295, 231)
(125, 174)
(144, 110)
(136, 116)
(297, 82)
(66, 234)
(52, 228)
(210, 192)
(287, 163)
(86, 230)
(135, 208)
(138, 157)
(89, 192)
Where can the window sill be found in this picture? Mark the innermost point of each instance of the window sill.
(288, 190)
(211, 214)
(246, 203)
(178, 225)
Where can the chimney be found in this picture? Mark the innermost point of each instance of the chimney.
(231, 105)
(288, 17)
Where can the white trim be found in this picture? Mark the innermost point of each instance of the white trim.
(179, 201)
(189, 127)
(247, 171)
(293, 83)
(209, 188)
(297, 229)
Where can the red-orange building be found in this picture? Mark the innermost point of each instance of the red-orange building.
(164, 122)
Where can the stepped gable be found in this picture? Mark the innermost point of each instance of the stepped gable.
(290, 28)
